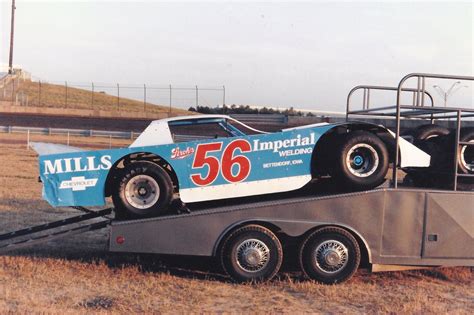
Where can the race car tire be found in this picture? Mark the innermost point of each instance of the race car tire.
(251, 254)
(426, 132)
(144, 190)
(466, 152)
(329, 255)
(360, 161)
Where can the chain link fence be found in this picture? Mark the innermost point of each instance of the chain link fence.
(22, 91)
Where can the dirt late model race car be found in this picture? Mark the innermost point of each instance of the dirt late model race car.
(210, 157)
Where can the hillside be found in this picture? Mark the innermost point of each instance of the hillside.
(29, 93)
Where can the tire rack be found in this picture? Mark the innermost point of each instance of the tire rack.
(11, 240)
(418, 110)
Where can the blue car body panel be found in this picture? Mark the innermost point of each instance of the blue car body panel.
(79, 178)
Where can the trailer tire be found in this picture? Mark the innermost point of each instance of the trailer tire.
(329, 255)
(149, 195)
(360, 161)
(251, 254)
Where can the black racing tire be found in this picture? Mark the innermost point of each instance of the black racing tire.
(360, 161)
(426, 132)
(466, 152)
(251, 254)
(150, 195)
(329, 255)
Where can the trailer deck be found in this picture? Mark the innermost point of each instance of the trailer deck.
(395, 226)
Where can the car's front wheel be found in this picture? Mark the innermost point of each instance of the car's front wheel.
(144, 189)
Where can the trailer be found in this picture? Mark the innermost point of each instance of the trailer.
(399, 225)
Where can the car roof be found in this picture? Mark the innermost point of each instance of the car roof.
(191, 117)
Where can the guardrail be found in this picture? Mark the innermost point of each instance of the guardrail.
(70, 132)
(87, 133)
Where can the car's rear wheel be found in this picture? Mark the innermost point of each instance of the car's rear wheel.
(143, 190)
(360, 161)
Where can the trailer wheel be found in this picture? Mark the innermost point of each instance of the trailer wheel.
(251, 253)
(360, 160)
(329, 255)
(144, 190)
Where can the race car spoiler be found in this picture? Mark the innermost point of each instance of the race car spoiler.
(43, 148)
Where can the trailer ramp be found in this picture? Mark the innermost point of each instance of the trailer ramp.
(57, 229)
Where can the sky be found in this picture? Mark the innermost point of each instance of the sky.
(302, 54)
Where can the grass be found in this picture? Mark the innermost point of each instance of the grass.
(78, 275)
(52, 95)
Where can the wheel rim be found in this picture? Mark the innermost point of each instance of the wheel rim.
(331, 256)
(142, 191)
(252, 255)
(362, 160)
(467, 156)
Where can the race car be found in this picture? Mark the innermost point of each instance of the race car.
(209, 157)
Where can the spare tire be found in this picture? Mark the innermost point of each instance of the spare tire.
(466, 152)
(426, 132)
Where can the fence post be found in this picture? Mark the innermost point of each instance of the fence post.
(28, 139)
(92, 96)
(39, 93)
(118, 97)
(68, 138)
(66, 92)
(170, 99)
(13, 91)
(223, 99)
(110, 141)
(144, 97)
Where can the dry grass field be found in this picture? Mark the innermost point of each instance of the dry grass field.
(78, 275)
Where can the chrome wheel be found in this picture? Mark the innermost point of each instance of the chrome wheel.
(362, 160)
(252, 255)
(467, 156)
(142, 191)
(331, 256)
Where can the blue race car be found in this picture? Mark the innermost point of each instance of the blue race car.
(209, 157)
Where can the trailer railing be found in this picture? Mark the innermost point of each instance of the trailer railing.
(417, 110)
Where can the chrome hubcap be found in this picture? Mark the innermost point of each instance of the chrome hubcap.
(362, 160)
(467, 156)
(142, 191)
(331, 256)
(252, 255)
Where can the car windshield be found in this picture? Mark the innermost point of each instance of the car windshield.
(200, 129)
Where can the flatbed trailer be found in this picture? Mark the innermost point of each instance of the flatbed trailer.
(393, 227)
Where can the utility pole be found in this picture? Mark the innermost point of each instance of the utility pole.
(12, 29)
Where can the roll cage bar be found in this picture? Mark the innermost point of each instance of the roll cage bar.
(417, 110)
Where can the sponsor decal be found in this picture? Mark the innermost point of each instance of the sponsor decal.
(78, 183)
(282, 163)
(277, 145)
(77, 164)
(177, 153)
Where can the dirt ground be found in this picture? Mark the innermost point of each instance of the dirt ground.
(78, 275)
